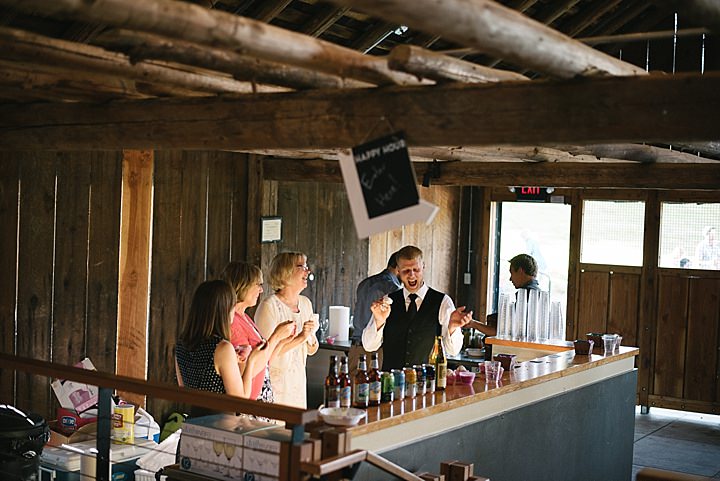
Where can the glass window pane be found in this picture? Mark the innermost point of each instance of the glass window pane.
(612, 232)
(688, 236)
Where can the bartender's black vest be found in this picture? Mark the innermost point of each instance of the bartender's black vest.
(408, 342)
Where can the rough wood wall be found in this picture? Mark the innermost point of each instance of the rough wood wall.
(316, 220)
(59, 250)
(199, 219)
(438, 241)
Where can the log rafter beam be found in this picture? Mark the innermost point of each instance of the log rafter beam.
(142, 46)
(499, 31)
(652, 109)
(214, 28)
(18, 45)
(439, 67)
(551, 174)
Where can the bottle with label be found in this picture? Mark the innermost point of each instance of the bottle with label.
(345, 384)
(375, 380)
(361, 385)
(332, 385)
(440, 365)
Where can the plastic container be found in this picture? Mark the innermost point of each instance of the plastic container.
(145, 426)
(64, 463)
(22, 437)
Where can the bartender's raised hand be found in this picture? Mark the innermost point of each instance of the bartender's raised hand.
(459, 318)
(381, 311)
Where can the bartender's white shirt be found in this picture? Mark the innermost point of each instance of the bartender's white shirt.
(372, 338)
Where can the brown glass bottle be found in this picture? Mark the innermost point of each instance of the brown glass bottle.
(375, 380)
(440, 365)
(361, 385)
(332, 385)
(345, 384)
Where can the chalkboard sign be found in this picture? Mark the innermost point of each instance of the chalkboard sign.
(386, 175)
(381, 187)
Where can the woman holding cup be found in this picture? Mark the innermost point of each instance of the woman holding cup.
(288, 278)
(247, 280)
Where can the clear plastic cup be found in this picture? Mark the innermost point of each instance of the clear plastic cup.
(609, 343)
(493, 371)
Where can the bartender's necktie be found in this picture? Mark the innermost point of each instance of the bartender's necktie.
(412, 308)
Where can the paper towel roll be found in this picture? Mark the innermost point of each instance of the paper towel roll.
(339, 317)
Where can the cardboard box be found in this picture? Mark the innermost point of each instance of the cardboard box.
(270, 453)
(213, 445)
(76, 396)
(58, 437)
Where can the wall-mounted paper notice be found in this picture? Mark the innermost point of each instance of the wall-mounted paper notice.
(381, 186)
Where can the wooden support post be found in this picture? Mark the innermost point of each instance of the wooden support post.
(135, 228)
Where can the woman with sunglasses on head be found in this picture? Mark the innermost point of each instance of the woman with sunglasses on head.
(247, 281)
(288, 278)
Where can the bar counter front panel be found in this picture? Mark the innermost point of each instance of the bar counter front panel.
(559, 416)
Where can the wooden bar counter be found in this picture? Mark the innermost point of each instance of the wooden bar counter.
(556, 415)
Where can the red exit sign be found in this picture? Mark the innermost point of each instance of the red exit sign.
(532, 194)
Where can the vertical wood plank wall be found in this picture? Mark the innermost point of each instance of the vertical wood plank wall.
(199, 221)
(438, 241)
(64, 211)
(316, 221)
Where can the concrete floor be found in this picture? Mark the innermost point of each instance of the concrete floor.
(677, 441)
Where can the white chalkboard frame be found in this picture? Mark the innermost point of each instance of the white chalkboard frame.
(423, 211)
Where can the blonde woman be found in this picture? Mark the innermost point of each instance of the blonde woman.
(288, 278)
(247, 280)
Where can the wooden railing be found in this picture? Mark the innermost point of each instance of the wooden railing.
(295, 419)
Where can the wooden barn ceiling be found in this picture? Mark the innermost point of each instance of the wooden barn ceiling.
(465, 79)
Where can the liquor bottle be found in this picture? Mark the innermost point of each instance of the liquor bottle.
(361, 385)
(345, 384)
(375, 380)
(440, 365)
(332, 385)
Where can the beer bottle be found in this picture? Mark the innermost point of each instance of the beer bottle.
(433, 353)
(345, 384)
(361, 384)
(332, 385)
(375, 380)
(440, 365)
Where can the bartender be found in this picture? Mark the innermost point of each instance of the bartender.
(407, 324)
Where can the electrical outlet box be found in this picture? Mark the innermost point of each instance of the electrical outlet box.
(467, 278)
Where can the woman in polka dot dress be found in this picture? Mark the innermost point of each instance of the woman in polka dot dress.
(204, 357)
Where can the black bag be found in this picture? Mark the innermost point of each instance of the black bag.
(22, 437)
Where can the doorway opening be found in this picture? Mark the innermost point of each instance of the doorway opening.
(541, 230)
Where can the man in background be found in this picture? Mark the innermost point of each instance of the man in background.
(368, 291)
(523, 270)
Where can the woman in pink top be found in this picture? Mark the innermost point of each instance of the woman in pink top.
(247, 281)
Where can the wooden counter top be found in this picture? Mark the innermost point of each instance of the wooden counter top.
(525, 375)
